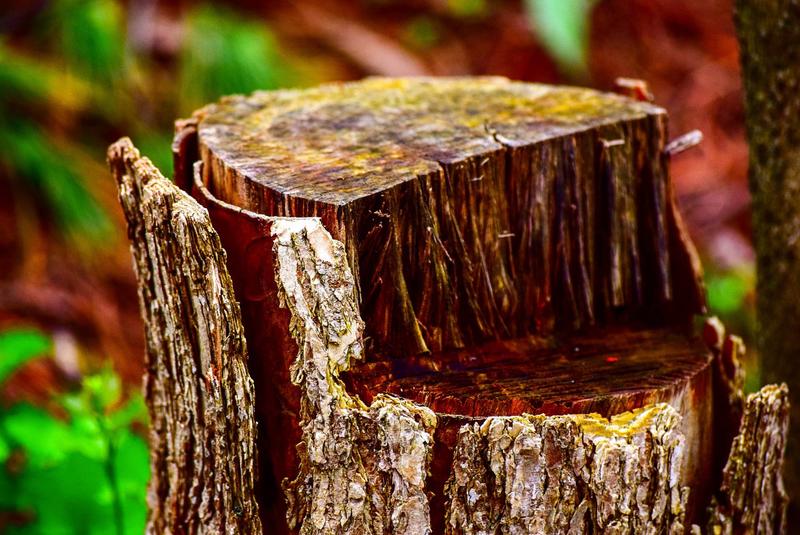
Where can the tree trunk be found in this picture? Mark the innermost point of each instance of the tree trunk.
(769, 38)
(423, 264)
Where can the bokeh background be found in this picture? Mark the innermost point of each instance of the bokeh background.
(77, 74)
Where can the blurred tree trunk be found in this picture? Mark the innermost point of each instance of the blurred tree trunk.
(769, 37)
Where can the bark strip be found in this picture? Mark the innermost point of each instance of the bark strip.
(362, 469)
(569, 474)
(198, 391)
(752, 498)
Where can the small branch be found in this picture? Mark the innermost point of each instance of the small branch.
(683, 143)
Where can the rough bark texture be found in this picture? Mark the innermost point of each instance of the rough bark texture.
(198, 391)
(752, 498)
(362, 469)
(728, 391)
(769, 37)
(512, 248)
(569, 475)
(607, 372)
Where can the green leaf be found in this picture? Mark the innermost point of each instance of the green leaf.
(132, 469)
(562, 26)
(133, 411)
(44, 439)
(18, 346)
(726, 293)
(104, 389)
(85, 475)
(70, 497)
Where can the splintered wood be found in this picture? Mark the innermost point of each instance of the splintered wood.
(752, 498)
(362, 469)
(471, 208)
(197, 387)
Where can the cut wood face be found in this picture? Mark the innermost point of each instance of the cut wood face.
(471, 209)
(337, 143)
(606, 371)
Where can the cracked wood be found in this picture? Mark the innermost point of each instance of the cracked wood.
(197, 388)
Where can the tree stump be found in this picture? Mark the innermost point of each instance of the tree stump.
(468, 307)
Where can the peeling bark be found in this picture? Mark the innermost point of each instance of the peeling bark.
(569, 474)
(752, 498)
(362, 469)
(198, 391)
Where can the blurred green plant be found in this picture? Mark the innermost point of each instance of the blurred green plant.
(467, 8)
(422, 32)
(226, 54)
(84, 471)
(18, 346)
(731, 297)
(562, 26)
(79, 84)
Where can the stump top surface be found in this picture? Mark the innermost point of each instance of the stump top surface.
(608, 371)
(338, 142)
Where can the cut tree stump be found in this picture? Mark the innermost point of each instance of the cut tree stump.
(468, 306)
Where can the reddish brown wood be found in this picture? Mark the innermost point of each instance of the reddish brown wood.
(472, 209)
(606, 371)
(613, 370)
(494, 229)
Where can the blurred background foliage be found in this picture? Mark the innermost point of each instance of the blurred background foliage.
(77, 74)
(76, 463)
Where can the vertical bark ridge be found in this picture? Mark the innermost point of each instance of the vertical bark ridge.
(569, 474)
(198, 391)
(362, 469)
(752, 498)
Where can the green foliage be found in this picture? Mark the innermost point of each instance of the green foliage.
(727, 292)
(422, 32)
(731, 297)
(226, 54)
(63, 105)
(563, 28)
(18, 346)
(84, 473)
(54, 178)
(467, 8)
(92, 37)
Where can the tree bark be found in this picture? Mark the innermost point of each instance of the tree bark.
(197, 388)
(752, 498)
(570, 474)
(484, 251)
(769, 39)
